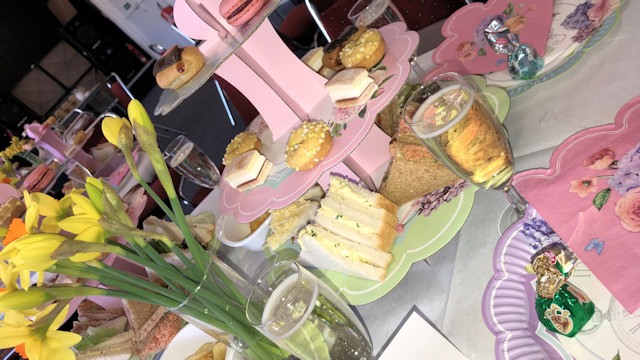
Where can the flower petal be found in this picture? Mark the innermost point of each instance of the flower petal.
(48, 205)
(84, 206)
(11, 336)
(78, 223)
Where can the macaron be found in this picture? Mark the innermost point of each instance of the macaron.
(39, 178)
(238, 12)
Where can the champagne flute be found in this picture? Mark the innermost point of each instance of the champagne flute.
(446, 114)
(191, 162)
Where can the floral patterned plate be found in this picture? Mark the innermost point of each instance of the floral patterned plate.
(595, 176)
(425, 225)
(509, 313)
(577, 26)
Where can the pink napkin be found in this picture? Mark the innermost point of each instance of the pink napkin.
(591, 197)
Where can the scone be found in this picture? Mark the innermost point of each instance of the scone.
(241, 143)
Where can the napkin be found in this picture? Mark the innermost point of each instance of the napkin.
(415, 337)
(591, 197)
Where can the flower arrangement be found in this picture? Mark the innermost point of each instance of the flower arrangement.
(75, 233)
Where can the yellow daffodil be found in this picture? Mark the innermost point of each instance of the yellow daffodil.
(44, 342)
(111, 127)
(39, 204)
(10, 278)
(94, 190)
(94, 234)
(33, 212)
(32, 252)
(138, 114)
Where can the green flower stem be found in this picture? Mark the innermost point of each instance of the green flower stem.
(126, 282)
(234, 291)
(160, 270)
(199, 254)
(134, 172)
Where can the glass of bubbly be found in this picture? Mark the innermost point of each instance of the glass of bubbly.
(191, 162)
(459, 129)
(304, 316)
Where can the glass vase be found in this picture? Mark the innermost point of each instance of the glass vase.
(301, 314)
(216, 306)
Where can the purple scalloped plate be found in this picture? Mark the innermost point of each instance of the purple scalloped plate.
(509, 313)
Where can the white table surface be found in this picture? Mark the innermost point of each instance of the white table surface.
(450, 290)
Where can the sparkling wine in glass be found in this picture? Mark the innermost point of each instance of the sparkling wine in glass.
(457, 127)
(191, 162)
(304, 316)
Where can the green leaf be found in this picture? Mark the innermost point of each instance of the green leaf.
(601, 198)
(385, 80)
(482, 52)
(382, 68)
(69, 248)
(362, 112)
(617, 357)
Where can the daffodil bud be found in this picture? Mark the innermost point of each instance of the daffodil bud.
(112, 127)
(139, 116)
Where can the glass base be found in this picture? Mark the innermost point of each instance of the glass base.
(508, 217)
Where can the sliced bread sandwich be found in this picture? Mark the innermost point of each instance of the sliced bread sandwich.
(286, 222)
(326, 250)
(413, 170)
(358, 214)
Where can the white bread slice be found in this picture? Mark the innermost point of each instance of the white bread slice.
(326, 250)
(360, 100)
(244, 168)
(286, 222)
(348, 84)
(314, 193)
(360, 194)
(374, 233)
(343, 204)
(313, 58)
(262, 177)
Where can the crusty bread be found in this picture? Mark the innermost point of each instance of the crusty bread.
(360, 100)
(178, 73)
(327, 250)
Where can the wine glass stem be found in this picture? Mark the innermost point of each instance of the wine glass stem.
(516, 199)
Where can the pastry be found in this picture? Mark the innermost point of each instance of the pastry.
(177, 66)
(351, 87)
(331, 57)
(248, 170)
(39, 178)
(238, 12)
(308, 145)
(364, 51)
(12, 208)
(241, 143)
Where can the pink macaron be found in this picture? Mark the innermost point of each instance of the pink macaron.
(39, 178)
(238, 12)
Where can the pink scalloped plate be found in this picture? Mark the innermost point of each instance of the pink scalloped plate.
(590, 195)
(283, 186)
(465, 49)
